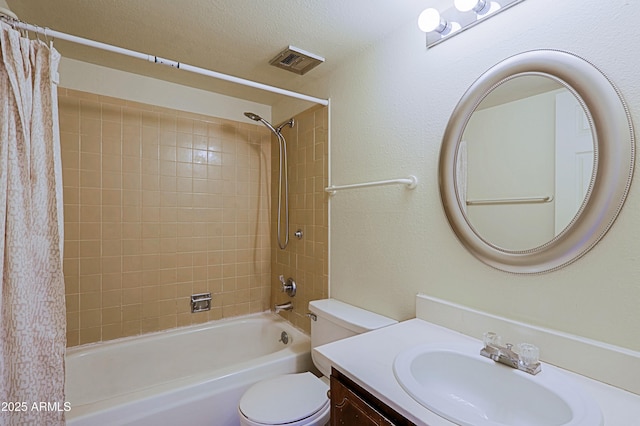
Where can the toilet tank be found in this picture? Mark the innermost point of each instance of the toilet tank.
(337, 320)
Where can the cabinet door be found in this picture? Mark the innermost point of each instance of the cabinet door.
(347, 408)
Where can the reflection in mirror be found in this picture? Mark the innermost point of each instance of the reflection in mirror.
(529, 162)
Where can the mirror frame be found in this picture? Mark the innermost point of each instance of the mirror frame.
(614, 156)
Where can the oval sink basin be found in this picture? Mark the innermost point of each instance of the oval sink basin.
(466, 388)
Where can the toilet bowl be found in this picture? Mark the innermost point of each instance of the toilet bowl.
(290, 399)
(302, 398)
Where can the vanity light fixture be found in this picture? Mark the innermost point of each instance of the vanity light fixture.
(463, 15)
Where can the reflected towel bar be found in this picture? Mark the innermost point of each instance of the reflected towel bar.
(524, 200)
(411, 183)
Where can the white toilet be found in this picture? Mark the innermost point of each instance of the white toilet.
(301, 399)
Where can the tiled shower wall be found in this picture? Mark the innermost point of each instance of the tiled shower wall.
(304, 260)
(161, 204)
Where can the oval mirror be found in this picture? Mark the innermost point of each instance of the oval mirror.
(536, 161)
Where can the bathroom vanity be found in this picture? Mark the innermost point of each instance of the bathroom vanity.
(365, 390)
(353, 405)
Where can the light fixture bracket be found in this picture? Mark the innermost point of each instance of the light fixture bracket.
(466, 20)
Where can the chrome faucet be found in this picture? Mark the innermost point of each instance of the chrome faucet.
(284, 307)
(525, 359)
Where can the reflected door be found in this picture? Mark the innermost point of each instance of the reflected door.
(574, 158)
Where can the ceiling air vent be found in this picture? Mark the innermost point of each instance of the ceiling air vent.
(296, 60)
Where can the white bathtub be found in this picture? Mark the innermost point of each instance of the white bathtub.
(193, 375)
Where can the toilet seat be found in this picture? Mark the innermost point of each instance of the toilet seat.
(285, 400)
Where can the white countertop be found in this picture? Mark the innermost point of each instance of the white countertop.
(368, 360)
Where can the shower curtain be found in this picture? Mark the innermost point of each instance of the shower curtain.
(32, 305)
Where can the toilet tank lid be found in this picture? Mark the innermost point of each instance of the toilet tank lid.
(348, 316)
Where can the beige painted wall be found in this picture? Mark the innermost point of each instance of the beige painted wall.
(110, 82)
(387, 120)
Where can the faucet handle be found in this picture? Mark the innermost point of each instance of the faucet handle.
(288, 286)
(529, 354)
(490, 338)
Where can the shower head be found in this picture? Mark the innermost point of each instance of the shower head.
(256, 117)
(252, 116)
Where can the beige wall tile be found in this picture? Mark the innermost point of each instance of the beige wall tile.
(146, 220)
(161, 204)
(304, 260)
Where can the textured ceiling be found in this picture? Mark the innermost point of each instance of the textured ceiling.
(236, 37)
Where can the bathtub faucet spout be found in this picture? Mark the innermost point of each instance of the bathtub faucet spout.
(284, 307)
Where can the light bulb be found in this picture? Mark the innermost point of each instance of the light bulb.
(429, 20)
(465, 5)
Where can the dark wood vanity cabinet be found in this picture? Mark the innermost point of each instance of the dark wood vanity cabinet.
(351, 405)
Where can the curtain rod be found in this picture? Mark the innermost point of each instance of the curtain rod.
(158, 60)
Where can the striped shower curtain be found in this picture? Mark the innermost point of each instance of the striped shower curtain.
(32, 306)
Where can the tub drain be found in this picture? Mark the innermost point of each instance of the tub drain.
(284, 337)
